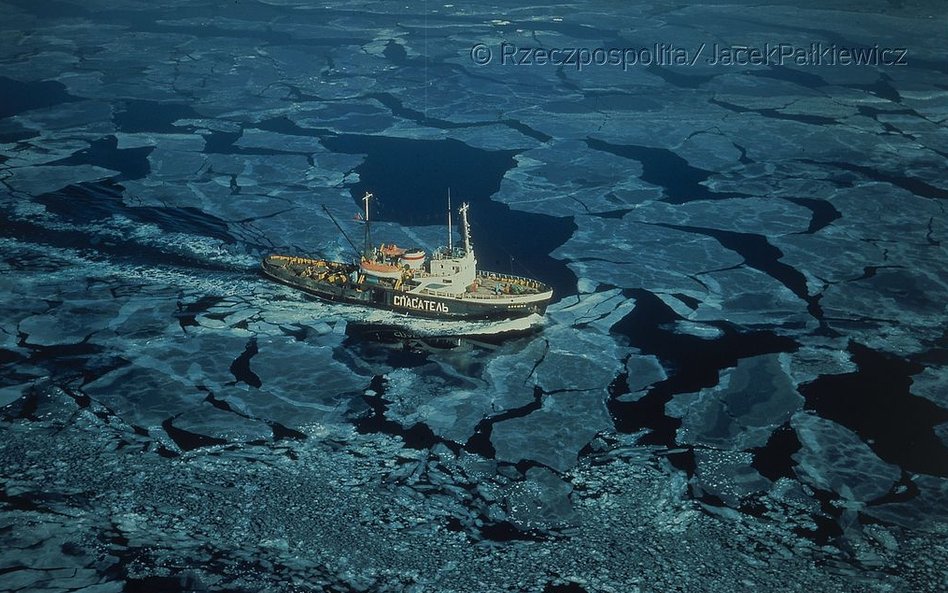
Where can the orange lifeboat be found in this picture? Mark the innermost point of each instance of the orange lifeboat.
(392, 250)
(381, 270)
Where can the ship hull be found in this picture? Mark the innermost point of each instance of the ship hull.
(415, 304)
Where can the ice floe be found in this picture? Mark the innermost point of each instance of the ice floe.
(742, 411)
(834, 458)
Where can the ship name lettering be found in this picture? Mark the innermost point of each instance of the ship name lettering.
(411, 302)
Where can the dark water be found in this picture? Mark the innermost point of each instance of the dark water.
(411, 178)
(875, 403)
(18, 96)
(680, 181)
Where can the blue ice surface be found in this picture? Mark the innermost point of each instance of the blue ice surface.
(740, 379)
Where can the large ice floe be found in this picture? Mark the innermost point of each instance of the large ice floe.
(740, 383)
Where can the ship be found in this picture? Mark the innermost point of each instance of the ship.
(445, 285)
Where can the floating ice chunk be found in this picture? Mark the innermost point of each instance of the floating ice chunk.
(215, 423)
(709, 151)
(751, 401)
(11, 393)
(600, 310)
(541, 501)
(927, 511)
(769, 94)
(69, 323)
(143, 396)
(385, 37)
(92, 117)
(357, 118)
(926, 101)
(492, 137)
(889, 309)
(511, 374)
(941, 431)
(274, 170)
(815, 359)
(835, 458)
(253, 138)
(170, 164)
(565, 178)
(197, 357)
(181, 142)
(818, 255)
(698, 330)
(48, 178)
(215, 125)
(454, 415)
(450, 409)
(728, 475)
(8, 336)
(932, 384)
(40, 151)
(576, 368)
(749, 297)
(586, 286)
(642, 371)
(304, 376)
(823, 106)
(677, 305)
(554, 434)
(656, 258)
(760, 216)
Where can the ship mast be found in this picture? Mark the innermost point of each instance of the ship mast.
(450, 238)
(367, 250)
(466, 227)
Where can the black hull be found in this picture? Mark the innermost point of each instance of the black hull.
(390, 299)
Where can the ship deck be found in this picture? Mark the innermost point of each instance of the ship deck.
(494, 286)
(489, 286)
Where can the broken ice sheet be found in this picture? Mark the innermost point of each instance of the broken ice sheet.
(565, 178)
(38, 180)
(642, 371)
(728, 475)
(764, 216)
(834, 458)
(343, 117)
(554, 434)
(252, 138)
(741, 412)
(40, 150)
(73, 315)
(820, 357)
(928, 510)
(541, 501)
(142, 396)
(749, 297)
(450, 406)
(88, 119)
(212, 421)
(302, 375)
(562, 359)
(932, 384)
(656, 258)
